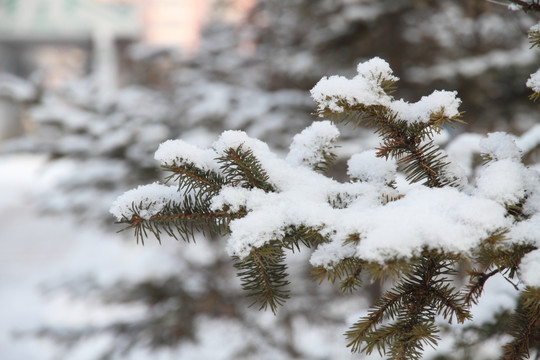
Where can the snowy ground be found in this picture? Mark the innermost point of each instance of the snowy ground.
(40, 252)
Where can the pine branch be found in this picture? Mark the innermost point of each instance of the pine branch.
(494, 253)
(403, 140)
(361, 331)
(263, 275)
(525, 327)
(328, 159)
(348, 271)
(356, 114)
(516, 210)
(193, 179)
(180, 220)
(413, 302)
(476, 284)
(536, 95)
(450, 303)
(390, 269)
(296, 235)
(424, 163)
(241, 166)
(411, 142)
(534, 38)
(419, 333)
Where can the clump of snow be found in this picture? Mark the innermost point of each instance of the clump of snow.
(329, 92)
(309, 146)
(500, 146)
(336, 92)
(437, 218)
(530, 268)
(532, 203)
(462, 150)
(364, 88)
(440, 218)
(235, 139)
(455, 174)
(376, 70)
(332, 253)
(504, 181)
(535, 28)
(514, 7)
(534, 81)
(236, 198)
(180, 152)
(526, 231)
(151, 199)
(366, 166)
(445, 102)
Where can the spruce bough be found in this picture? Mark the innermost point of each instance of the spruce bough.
(369, 226)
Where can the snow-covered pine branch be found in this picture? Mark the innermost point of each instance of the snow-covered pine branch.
(268, 204)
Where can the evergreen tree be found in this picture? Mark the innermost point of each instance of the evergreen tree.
(420, 237)
(220, 88)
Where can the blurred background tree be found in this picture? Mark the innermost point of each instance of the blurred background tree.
(249, 65)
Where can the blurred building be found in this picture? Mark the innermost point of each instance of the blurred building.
(59, 35)
(56, 41)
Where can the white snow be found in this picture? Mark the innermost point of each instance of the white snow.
(535, 28)
(534, 81)
(328, 92)
(500, 145)
(365, 89)
(454, 173)
(530, 269)
(366, 166)
(527, 231)
(233, 139)
(445, 102)
(332, 253)
(180, 152)
(462, 150)
(504, 181)
(150, 199)
(532, 203)
(376, 70)
(437, 218)
(307, 147)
